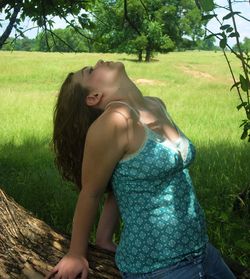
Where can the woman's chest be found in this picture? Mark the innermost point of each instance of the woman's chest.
(157, 159)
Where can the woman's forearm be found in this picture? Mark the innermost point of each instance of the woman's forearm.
(84, 216)
(109, 220)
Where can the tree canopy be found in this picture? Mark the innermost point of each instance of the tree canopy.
(128, 26)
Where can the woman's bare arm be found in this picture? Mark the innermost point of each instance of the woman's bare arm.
(108, 223)
(105, 146)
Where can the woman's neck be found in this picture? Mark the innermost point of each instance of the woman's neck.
(130, 94)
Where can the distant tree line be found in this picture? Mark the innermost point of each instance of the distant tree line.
(73, 40)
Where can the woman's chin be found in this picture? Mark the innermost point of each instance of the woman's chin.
(119, 64)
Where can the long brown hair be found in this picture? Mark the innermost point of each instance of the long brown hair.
(71, 119)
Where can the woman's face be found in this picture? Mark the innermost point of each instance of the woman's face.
(103, 77)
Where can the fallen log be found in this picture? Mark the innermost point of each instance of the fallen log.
(29, 248)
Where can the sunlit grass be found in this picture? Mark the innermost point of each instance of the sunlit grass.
(195, 88)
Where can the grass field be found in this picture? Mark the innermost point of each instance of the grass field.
(195, 88)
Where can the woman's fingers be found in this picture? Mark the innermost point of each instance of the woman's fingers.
(70, 267)
(52, 272)
(52, 275)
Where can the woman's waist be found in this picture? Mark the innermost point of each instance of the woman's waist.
(162, 220)
(131, 186)
(156, 251)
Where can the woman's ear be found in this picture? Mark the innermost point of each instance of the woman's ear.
(93, 99)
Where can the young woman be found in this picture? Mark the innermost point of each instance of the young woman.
(109, 137)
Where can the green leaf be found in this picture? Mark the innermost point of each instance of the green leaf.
(235, 84)
(230, 15)
(223, 42)
(209, 36)
(207, 5)
(229, 29)
(244, 134)
(247, 126)
(209, 16)
(234, 34)
(244, 83)
(223, 27)
(241, 105)
(244, 122)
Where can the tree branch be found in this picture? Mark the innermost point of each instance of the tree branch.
(9, 28)
(234, 52)
(127, 18)
(14, 40)
(72, 25)
(45, 27)
(54, 34)
(240, 50)
(218, 6)
(145, 8)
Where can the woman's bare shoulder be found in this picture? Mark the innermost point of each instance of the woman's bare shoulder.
(110, 123)
(157, 99)
(111, 120)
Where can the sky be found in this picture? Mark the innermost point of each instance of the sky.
(213, 25)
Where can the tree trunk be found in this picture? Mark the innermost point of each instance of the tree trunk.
(148, 54)
(8, 29)
(140, 56)
(29, 248)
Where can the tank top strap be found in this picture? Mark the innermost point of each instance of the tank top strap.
(125, 103)
(181, 135)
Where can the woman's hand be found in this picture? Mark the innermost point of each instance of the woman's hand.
(69, 267)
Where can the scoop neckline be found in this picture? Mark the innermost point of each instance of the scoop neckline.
(145, 140)
(142, 146)
(162, 137)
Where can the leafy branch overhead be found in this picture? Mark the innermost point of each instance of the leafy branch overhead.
(134, 27)
(229, 29)
(40, 12)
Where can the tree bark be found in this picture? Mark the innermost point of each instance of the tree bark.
(140, 56)
(8, 29)
(148, 54)
(29, 248)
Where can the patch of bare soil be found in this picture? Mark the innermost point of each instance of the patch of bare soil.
(195, 73)
(149, 81)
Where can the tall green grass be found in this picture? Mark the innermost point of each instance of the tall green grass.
(195, 88)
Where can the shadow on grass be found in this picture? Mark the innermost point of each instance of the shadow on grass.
(28, 174)
(137, 61)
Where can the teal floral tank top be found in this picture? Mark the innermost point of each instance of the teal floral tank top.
(163, 220)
